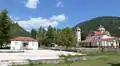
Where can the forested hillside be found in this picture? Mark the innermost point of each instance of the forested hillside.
(111, 24)
(17, 30)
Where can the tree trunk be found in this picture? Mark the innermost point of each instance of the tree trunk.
(1, 44)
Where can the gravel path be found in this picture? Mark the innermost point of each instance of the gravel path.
(32, 55)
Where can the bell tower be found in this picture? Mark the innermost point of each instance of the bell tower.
(78, 34)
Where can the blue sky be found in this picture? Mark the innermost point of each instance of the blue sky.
(58, 13)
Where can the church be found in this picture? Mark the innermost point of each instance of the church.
(99, 38)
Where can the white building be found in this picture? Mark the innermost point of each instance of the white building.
(23, 43)
(99, 38)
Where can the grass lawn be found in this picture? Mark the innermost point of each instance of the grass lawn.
(113, 59)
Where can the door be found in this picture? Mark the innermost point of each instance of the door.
(25, 45)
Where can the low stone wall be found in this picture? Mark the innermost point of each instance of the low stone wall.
(84, 50)
(11, 51)
(88, 50)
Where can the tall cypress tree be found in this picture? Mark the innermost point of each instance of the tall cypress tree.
(33, 33)
(41, 35)
(49, 36)
(57, 36)
(5, 24)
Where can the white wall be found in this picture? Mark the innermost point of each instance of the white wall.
(78, 35)
(105, 36)
(99, 37)
(97, 43)
(16, 45)
(109, 43)
(102, 43)
(114, 43)
(33, 45)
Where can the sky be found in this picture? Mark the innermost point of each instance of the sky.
(57, 13)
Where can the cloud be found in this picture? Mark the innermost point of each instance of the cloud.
(58, 17)
(40, 21)
(15, 18)
(59, 3)
(32, 3)
(46, 29)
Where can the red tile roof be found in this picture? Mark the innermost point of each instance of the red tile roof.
(97, 33)
(91, 39)
(23, 39)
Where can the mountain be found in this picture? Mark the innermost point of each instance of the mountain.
(17, 30)
(110, 23)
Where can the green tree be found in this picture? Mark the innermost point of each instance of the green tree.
(17, 30)
(5, 24)
(68, 38)
(33, 33)
(58, 37)
(49, 36)
(41, 35)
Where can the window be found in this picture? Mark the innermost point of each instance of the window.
(25, 44)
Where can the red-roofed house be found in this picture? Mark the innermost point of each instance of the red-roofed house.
(22, 43)
(100, 38)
